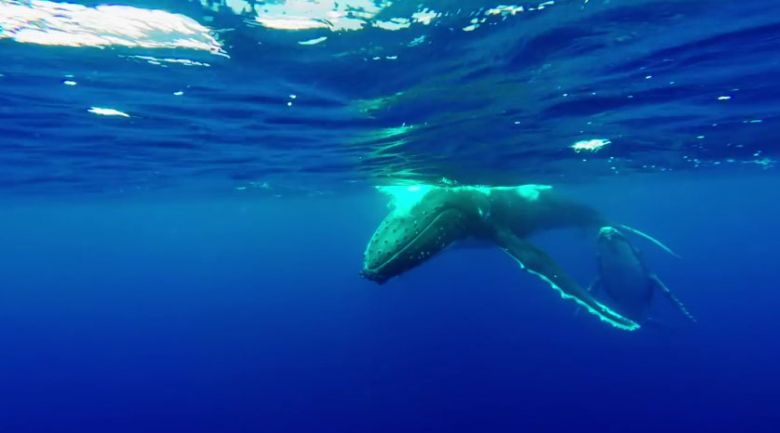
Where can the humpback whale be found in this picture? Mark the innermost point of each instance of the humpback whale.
(426, 219)
(626, 279)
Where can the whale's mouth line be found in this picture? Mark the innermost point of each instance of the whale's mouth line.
(408, 245)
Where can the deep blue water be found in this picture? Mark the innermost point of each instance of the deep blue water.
(245, 315)
(193, 265)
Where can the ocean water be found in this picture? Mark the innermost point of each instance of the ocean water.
(187, 189)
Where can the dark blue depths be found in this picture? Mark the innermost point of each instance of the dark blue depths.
(248, 315)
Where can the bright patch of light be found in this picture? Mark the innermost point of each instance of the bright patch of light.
(314, 41)
(395, 131)
(590, 145)
(69, 83)
(63, 24)
(336, 15)
(766, 163)
(160, 60)
(724, 98)
(425, 16)
(504, 10)
(291, 23)
(417, 41)
(531, 192)
(393, 24)
(107, 112)
(238, 6)
(405, 197)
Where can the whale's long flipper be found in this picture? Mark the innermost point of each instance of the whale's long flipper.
(537, 262)
(652, 240)
(665, 290)
(594, 288)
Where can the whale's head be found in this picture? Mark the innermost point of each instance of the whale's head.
(612, 242)
(617, 256)
(424, 221)
(610, 237)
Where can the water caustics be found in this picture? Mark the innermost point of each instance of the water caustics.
(479, 92)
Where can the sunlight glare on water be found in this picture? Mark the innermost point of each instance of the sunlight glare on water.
(386, 92)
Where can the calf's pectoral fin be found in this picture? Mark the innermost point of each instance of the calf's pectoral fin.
(538, 263)
(665, 290)
(652, 240)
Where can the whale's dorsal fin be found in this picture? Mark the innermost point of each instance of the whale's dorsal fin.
(653, 240)
(538, 263)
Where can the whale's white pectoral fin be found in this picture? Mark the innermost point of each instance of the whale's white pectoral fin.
(665, 290)
(651, 239)
(594, 287)
(538, 263)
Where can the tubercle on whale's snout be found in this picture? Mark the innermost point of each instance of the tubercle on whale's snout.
(374, 263)
(609, 232)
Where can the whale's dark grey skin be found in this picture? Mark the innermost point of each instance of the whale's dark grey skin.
(428, 219)
(626, 279)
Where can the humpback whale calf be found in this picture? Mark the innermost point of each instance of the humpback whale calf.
(626, 279)
(427, 219)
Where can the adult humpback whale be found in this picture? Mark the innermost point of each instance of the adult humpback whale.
(427, 219)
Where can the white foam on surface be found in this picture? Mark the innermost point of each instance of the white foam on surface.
(332, 15)
(592, 145)
(72, 25)
(101, 111)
